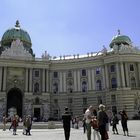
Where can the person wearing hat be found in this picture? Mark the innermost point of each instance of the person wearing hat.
(89, 116)
(102, 121)
(66, 117)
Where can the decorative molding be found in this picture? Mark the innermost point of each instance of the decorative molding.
(16, 51)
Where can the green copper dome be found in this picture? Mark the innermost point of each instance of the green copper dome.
(118, 39)
(16, 33)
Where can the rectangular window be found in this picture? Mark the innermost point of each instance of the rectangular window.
(84, 101)
(69, 100)
(131, 67)
(84, 72)
(55, 74)
(98, 70)
(36, 72)
(112, 68)
(113, 98)
(55, 101)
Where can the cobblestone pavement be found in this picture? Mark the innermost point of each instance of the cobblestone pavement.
(76, 134)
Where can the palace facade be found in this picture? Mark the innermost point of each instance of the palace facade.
(42, 87)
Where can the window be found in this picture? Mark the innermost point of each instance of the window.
(69, 100)
(37, 101)
(84, 101)
(131, 67)
(84, 86)
(112, 68)
(98, 70)
(55, 101)
(55, 74)
(133, 82)
(36, 87)
(113, 83)
(55, 87)
(99, 100)
(69, 74)
(83, 72)
(70, 86)
(113, 98)
(98, 85)
(36, 72)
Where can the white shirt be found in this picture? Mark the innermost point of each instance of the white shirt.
(88, 116)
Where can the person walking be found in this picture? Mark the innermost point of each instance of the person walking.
(114, 123)
(102, 122)
(66, 117)
(4, 122)
(28, 125)
(89, 117)
(84, 124)
(124, 119)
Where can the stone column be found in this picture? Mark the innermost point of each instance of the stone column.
(64, 81)
(78, 80)
(89, 79)
(75, 80)
(126, 73)
(122, 75)
(118, 75)
(103, 73)
(47, 80)
(4, 78)
(43, 80)
(26, 80)
(93, 79)
(0, 78)
(61, 81)
(106, 77)
(31, 83)
(139, 73)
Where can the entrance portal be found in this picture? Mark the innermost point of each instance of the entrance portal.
(14, 100)
(37, 114)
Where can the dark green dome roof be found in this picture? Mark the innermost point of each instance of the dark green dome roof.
(118, 39)
(16, 33)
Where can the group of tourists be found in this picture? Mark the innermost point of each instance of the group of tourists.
(15, 119)
(99, 120)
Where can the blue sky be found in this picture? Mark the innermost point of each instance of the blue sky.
(67, 27)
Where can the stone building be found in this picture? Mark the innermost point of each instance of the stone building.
(42, 87)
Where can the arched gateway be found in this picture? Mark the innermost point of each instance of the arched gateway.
(14, 101)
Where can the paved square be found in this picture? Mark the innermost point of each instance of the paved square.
(76, 134)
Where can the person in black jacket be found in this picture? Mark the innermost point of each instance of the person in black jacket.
(66, 117)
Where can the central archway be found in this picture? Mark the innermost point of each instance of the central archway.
(14, 100)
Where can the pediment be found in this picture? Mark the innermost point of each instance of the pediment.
(16, 50)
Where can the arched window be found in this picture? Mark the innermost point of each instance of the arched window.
(36, 87)
(98, 85)
(133, 82)
(70, 86)
(113, 83)
(55, 87)
(84, 86)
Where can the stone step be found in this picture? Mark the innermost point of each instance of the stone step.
(37, 125)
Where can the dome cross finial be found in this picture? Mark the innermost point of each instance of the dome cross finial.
(119, 32)
(17, 24)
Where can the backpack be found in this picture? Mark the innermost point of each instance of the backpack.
(94, 124)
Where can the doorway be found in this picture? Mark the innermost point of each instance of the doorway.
(37, 114)
(14, 100)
